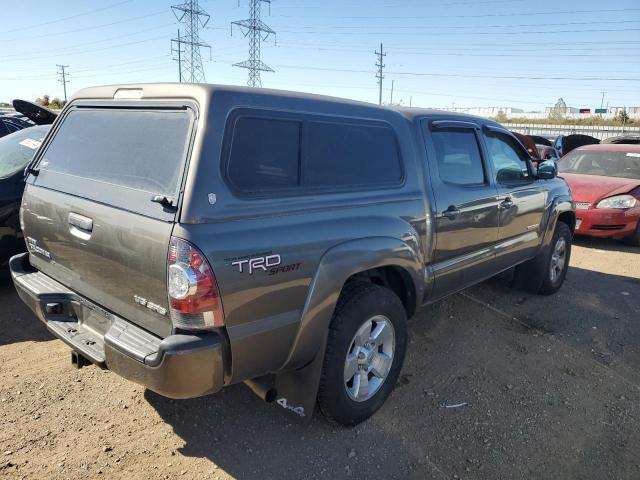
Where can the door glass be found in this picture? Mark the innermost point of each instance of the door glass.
(458, 157)
(508, 158)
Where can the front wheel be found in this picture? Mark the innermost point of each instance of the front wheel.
(557, 260)
(545, 273)
(365, 351)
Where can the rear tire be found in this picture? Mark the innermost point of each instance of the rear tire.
(365, 351)
(634, 239)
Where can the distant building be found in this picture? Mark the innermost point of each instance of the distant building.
(484, 111)
(567, 110)
(631, 111)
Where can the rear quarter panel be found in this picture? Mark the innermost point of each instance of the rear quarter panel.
(264, 309)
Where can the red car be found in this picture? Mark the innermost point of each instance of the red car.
(605, 183)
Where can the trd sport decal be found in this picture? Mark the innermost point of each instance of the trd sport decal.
(284, 268)
(258, 263)
(271, 263)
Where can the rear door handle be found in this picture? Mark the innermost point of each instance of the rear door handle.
(451, 212)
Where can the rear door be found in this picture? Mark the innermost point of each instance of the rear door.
(89, 217)
(466, 205)
(521, 199)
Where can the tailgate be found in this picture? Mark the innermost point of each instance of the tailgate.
(89, 218)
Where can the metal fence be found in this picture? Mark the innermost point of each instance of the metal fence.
(598, 131)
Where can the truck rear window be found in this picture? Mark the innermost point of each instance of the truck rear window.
(138, 149)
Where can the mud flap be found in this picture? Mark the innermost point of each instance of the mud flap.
(298, 389)
(529, 275)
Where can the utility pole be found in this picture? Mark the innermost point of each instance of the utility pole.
(380, 64)
(392, 83)
(602, 101)
(257, 31)
(62, 79)
(410, 101)
(193, 18)
(179, 51)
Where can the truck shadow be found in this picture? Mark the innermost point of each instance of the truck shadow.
(17, 322)
(461, 352)
(249, 439)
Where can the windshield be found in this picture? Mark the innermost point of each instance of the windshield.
(18, 148)
(608, 164)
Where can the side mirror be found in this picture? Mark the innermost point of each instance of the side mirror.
(547, 170)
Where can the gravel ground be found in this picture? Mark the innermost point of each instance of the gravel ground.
(550, 388)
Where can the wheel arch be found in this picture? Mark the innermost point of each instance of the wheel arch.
(395, 278)
(376, 259)
(562, 209)
(385, 261)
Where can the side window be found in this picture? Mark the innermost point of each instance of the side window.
(339, 154)
(508, 158)
(458, 157)
(265, 154)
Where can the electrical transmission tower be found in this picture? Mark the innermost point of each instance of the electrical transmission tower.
(188, 46)
(380, 64)
(257, 31)
(62, 79)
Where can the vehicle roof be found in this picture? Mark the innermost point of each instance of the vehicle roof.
(200, 91)
(196, 90)
(411, 113)
(610, 147)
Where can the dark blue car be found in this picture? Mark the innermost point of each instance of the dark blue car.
(16, 150)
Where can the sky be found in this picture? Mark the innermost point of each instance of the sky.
(440, 53)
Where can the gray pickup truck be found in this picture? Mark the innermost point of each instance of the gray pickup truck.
(190, 237)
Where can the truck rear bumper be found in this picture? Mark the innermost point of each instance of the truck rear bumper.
(178, 366)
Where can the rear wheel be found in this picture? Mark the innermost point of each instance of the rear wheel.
(365, 352)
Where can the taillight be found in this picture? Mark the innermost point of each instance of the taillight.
(194, 299)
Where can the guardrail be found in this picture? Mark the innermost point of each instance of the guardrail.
(598, 131)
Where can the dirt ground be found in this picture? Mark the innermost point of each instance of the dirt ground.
(550, 387)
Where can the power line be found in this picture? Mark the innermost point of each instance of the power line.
(62, 74)
(49, 22)
(467, 45)
(486, 15)
(257, 31)
(470, 53)
(84, 44)
(615, 79)
(466, 27)
(404, 4)
(423, 33)
(92, 50)
(94, 27)
(192, 17)
(379, 75)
